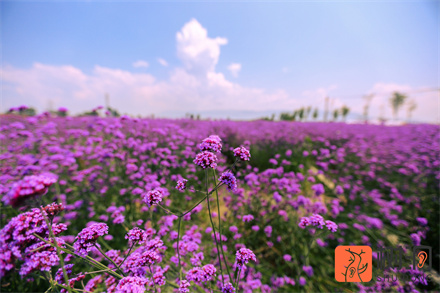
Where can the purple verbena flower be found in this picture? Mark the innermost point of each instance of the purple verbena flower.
(131, 285)
(212, 143)
(181, 184)
(136, 235)
(248, 218)
(152, 197)
(228, 288)
(229, 179)
(206, 159)
(304, 222)
(29, 187)
(87, 238)
(331, 226)
(242, 153)
(184, 285)
(244, 255)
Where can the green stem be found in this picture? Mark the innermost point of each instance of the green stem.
(213, 228)
(87, 259)
(49, 227)
(166, 210)
(108, 258)
(309, 247)
(128, 254)
(152, 278)
(178, 252)
(220, 232)
(238, 279)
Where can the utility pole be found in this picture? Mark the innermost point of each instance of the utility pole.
(326, 109)
(368, 99)
(107, 101)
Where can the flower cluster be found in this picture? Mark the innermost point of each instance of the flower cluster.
(29, 187)
(17, 241)
(132, 285)
(181, 184)
(59, 276)
(317, 221)
(183, 287)
(242, 153)
(206, 159)
(212, 144)
(136, 235)
(87, 238)
(203, 274)
(53, 209)
(244, 255)
(229, 179)
(228, 288)
(152, 197)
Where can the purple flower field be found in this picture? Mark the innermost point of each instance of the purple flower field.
(91, 204)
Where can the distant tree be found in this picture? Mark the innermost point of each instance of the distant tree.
(368, 99)
(23, 110)
(284, 116)
(295, 113)
(301, 114)
(89, 113)
(113, 112)
(411, 107)
(308, 110)
(315, 114)
(397, 101)
(344, 112)
(271, 118)
(335, 114)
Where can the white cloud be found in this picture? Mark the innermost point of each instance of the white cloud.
(198, 53)
(195, 87)
(162, 62)
(234, 68)
(140, 64)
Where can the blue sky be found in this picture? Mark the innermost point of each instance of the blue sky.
(241, 60)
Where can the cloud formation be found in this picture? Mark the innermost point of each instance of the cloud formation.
(198, 53)
(140, 64)
(162, 62)
(194, 87)
(234, 68)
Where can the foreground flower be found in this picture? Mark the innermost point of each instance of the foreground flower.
(181, 184)
(331, 226)
(87, 238)
(136, 235)
(204, 274)
(29, 187)
(317, 221)
(229, 179)
(152, 197)
(242, 153)
(184, 285)
(244, 255)
(17, 241)
(212, 143)
(205, 160)
(228, 288)
(131, 285)
(53, 209)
